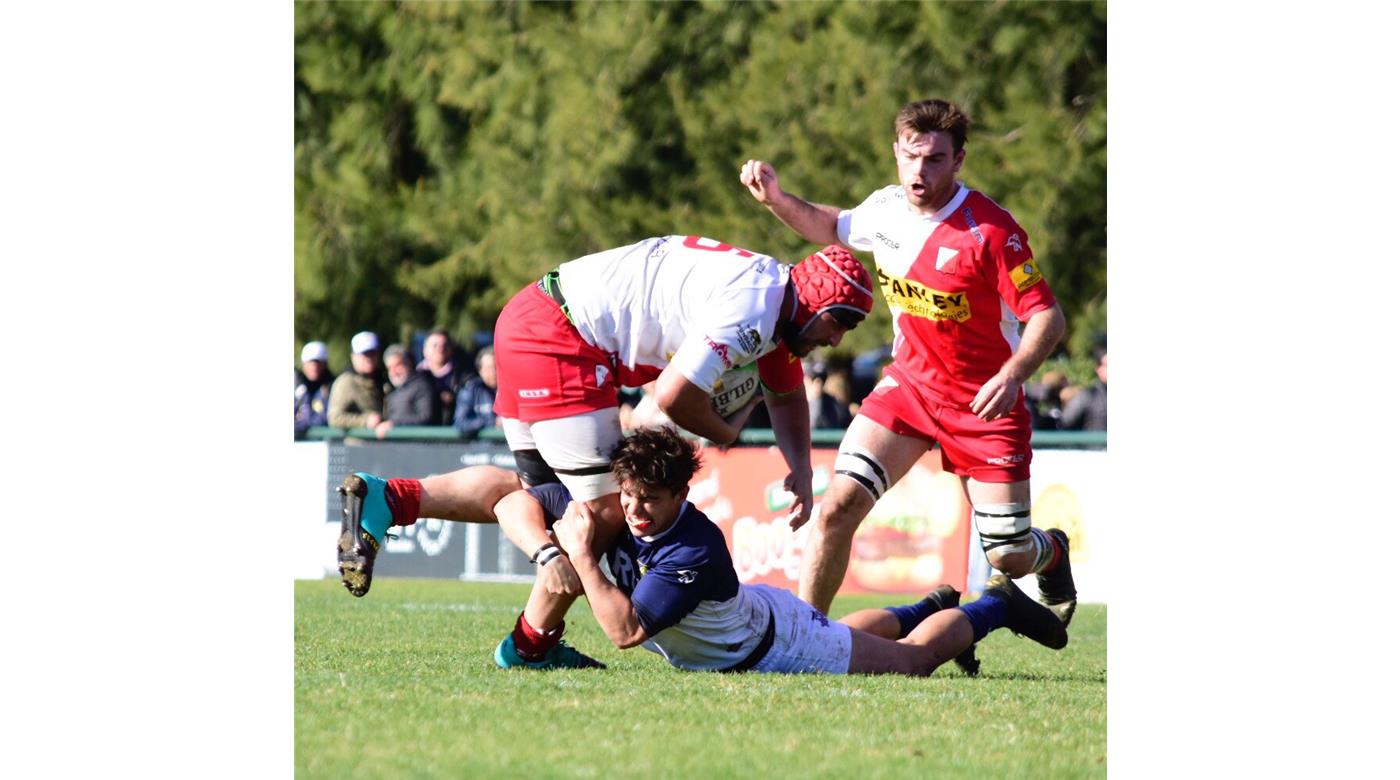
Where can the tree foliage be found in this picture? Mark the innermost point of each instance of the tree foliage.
(447, 154)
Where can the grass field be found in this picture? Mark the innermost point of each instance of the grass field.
(401, 684)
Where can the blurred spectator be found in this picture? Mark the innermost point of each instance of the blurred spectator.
(449, 370)
(1088, 409)
(867, 369)
(477, 399)
(412, 399)
(313, 389)
(825, 410)
(838, 386)
(357, 397)
(1043, 400)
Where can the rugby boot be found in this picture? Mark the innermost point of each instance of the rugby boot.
(362, 508)
(1026, 617)
(561, 656)
(947, 597)
(1057, 587)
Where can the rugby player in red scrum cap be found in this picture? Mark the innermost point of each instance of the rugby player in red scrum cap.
(680, 310)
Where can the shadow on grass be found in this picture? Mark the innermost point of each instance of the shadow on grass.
(1100, 678)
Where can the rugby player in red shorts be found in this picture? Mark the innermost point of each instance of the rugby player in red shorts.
(959, 277)
(680, 310)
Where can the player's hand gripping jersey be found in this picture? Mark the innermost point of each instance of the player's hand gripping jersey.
(957, 282)
(694, 302)
(683, 589)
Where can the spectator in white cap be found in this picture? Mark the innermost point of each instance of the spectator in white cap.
(357, 397)
(313, 388)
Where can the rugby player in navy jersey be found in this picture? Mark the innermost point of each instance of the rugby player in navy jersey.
(677, 593)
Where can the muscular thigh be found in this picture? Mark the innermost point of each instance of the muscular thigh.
(979, 492)
(872, 458)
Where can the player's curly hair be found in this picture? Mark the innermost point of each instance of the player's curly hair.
(655, 458)
(934, 116)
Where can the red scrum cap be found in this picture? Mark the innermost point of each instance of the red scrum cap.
(832, 279)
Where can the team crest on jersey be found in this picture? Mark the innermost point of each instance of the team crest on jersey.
(643, 568)
(749, 340)
(1025, 275)
(1014, 241)
(920, 301)
(685, 576)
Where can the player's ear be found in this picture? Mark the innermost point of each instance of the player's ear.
(685, 491)
(958, 159)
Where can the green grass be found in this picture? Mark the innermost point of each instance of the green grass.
(401, 684)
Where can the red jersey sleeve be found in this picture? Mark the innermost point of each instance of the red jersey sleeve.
(1017, 275)
(780, 371)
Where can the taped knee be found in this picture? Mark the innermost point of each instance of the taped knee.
(1004, 528)
(530, 465)
(862, 466)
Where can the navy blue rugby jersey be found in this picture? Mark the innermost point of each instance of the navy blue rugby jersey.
(683, 588)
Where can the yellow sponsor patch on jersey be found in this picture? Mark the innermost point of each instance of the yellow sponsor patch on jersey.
(1025, 275)
(920, 301)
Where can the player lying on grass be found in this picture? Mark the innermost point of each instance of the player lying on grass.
(481, 494)
(677, 593)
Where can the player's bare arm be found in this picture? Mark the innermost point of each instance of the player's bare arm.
(522, 520)
(611, 607)
(998, 396)
(792, 428)
(813, 221)
(688, 405)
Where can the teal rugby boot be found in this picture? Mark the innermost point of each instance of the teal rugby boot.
(561, 656)
(364, 519)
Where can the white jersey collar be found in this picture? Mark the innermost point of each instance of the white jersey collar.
(949, 208)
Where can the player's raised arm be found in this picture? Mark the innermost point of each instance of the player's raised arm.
(813, 221)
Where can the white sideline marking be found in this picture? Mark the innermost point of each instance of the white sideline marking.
(461, 607)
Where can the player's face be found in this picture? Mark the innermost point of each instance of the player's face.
(928, 168)
(824, 330)
(650, 510)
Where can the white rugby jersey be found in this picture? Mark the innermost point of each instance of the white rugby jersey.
(956, 282)
(696, 302)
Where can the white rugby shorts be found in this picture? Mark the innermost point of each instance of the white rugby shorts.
(582, 442)
(804, 640)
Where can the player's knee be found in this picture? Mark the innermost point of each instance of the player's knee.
(842, 510)
(1005, 532)
(850, 499)
(1012, 564)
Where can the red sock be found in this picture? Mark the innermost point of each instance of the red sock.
(530, 643)
(404, 497)
(1057, 552)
